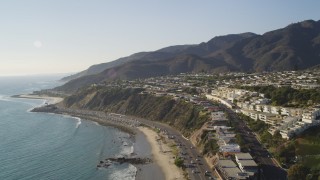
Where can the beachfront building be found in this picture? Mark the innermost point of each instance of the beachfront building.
(246, 163)
(226, 141)
(229, 170)
(229, 149)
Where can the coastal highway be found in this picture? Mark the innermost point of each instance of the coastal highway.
(200, 165)
(270, 169)
(197, 165)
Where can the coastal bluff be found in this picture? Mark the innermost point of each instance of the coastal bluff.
(105, 119)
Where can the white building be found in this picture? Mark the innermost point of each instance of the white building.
(275, 109)
(267, 109)
(285, 111)
(311, 115)
(230, 148)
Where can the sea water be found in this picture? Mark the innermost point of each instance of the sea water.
(48, 146)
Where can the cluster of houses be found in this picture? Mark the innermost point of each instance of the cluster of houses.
(288, 121)
(294, 79)
(243, 167)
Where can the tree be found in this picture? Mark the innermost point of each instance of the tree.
(178, 162)
(297, 172)
(266, 137)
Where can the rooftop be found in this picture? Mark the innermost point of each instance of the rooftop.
(243, 156)
(248, 163)
(227, 164)
(234, 173)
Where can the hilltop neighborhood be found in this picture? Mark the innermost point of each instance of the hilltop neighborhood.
(207, 91)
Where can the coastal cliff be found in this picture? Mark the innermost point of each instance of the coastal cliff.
(184, 116)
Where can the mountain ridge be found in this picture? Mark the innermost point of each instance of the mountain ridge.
(164, 53)
(294, 47)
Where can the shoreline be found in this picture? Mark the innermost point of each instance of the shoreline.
(163, 166)
(164, 159)
(48, 99)
(142, 148)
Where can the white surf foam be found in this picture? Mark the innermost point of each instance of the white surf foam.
(16, 100)
(96, 123)
(125, 174)
(78, 123)
(126, 150)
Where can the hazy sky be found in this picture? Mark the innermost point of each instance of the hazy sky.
(54, 36)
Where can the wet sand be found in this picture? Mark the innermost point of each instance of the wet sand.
(146, 145)
(163, 159)
(143, 149)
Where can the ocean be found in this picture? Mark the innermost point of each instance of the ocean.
(37, 146)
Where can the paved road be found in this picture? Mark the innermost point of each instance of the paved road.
(270, 169)
(200, 166)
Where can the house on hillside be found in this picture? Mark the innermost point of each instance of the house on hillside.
(311, 116)
(275, 110)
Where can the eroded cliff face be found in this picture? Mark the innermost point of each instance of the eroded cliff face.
(184, 116)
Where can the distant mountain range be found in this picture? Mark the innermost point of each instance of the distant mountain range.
(294, 47)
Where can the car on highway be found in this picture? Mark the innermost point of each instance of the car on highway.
(207, 173)
(195, 171)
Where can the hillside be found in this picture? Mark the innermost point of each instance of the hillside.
(294, 47)
(183, 116)
(165, 53)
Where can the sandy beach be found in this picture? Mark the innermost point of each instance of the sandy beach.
(163, 166)
(49, 100)
(163, 159)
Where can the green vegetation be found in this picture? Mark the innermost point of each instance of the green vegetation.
(276, 144)
(178, 162)
(192, 91)
(210, 146)
(306, 149)
(182, 115)
(287, 96)
(297, 172)
(257, 126)
(302, 153)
